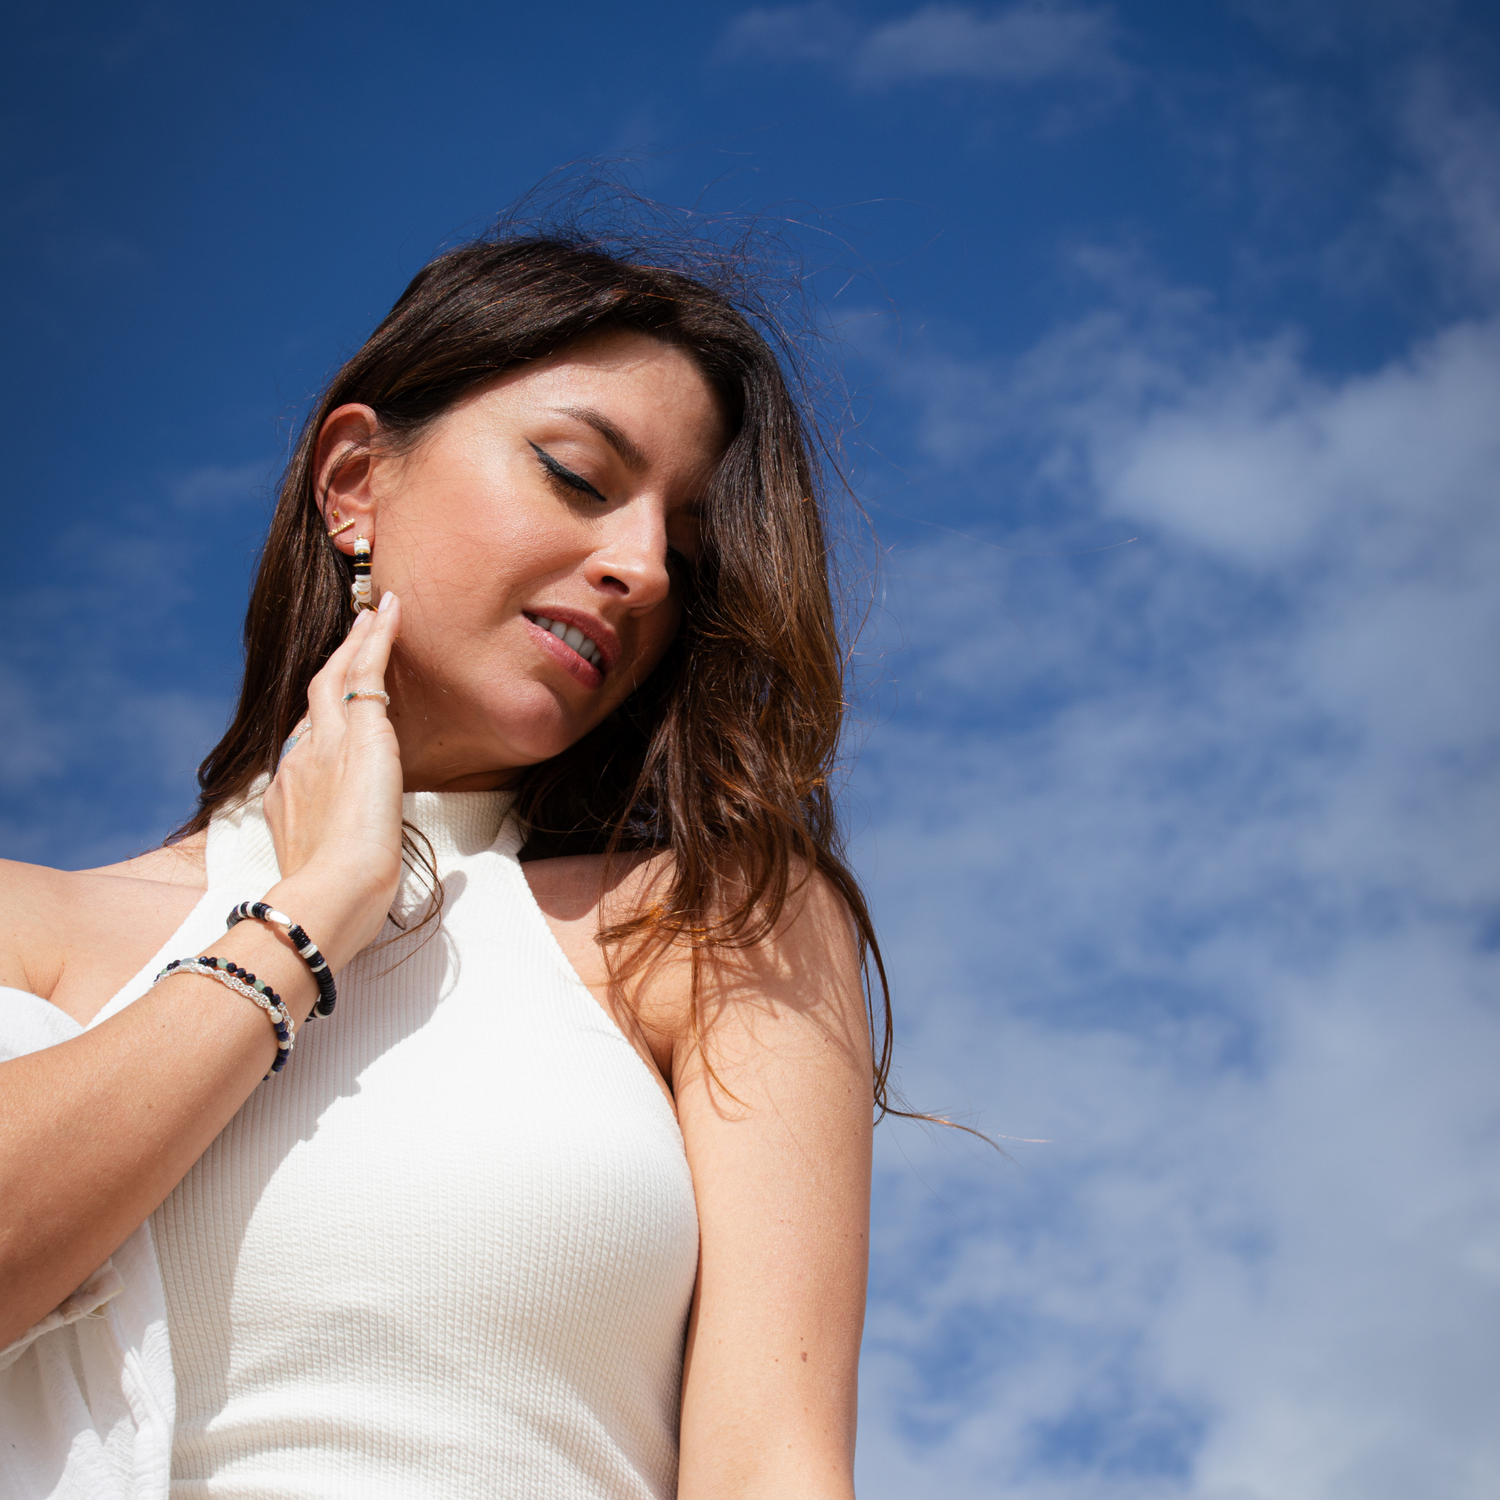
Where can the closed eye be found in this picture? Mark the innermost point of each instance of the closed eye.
(681, 563)
(565, 475)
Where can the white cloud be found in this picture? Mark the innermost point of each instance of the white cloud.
(218, 486)
(819, 32)
(1265, 463)
(1012, 44)
(1018, 44)
(30, 746)
(97, 735)
(1450, 196)
(113, 757)
(1186, 865)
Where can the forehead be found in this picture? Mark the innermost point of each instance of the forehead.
(652, 391)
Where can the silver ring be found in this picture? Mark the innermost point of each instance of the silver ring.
(304, 728)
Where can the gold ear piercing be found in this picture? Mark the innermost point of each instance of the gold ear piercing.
(336, 528)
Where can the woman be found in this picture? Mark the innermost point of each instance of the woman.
(568, 1196)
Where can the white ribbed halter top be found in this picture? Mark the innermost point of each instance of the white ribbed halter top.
(450, 1250)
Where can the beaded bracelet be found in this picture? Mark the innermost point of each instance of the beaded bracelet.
(242, 982)
(258, 911)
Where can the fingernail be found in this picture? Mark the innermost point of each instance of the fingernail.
(386, 600)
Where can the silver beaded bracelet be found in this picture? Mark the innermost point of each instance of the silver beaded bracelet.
(242, 982)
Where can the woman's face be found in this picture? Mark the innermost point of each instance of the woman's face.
(558, 498)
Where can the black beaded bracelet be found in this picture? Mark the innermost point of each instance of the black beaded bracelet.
(258, 911)
(243, 982)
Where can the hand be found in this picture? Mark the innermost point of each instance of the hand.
(334, 805)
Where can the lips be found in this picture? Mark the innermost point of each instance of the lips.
(556, 632)
(571, 635)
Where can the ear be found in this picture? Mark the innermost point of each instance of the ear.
(345, 465)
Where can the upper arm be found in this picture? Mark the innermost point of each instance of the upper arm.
(74, 937)
(776, 1109)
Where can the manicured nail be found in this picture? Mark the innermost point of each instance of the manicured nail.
(386, 600)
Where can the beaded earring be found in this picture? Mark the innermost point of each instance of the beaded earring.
(338, 526)
(359, 590)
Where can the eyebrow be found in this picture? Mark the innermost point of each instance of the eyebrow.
(632, 455)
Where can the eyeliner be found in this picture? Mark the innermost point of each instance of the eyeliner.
(568, 477)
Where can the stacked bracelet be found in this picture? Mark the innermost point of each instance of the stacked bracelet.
(258, 911)
(242, 982)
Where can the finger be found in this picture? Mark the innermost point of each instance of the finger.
(300, 731)
(326, 691)
(366, 672)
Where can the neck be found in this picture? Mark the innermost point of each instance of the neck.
(440, 753)
(415, 780)
(433, 761)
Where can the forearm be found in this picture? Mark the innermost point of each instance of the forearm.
(96, 1131)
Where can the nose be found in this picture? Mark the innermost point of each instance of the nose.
(631, 563)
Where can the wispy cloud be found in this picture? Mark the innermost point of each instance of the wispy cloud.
(219, 486)
(106, 695)
(1015, 44)
(1449, 197)
(819, 32)
(1022, 44)
(1205, 897)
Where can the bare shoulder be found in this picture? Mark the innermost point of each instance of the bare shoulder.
(181, 863)
(575, 883)
(808, 958)
(611, 891)
(71, 935)
(805, 963)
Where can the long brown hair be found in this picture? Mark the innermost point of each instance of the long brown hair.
(724, 755)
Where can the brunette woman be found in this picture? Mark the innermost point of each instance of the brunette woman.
(475, 1098)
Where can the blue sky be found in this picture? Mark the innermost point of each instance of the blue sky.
(1173, 333)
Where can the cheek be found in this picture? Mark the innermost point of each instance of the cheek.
(655, 641)
(476, 569)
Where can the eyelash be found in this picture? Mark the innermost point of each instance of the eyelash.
(572, 481)
(566, 476)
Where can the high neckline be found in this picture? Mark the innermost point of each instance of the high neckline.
(460, 824)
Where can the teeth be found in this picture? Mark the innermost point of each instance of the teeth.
(572, 636)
